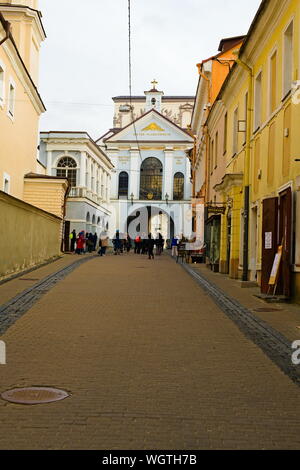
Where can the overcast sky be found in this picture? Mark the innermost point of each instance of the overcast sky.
(84, 60)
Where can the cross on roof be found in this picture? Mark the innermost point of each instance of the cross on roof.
(154, 83)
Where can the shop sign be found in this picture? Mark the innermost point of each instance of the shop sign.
(216, 209)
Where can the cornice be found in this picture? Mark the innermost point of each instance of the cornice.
(29, 12)
(24, 76)
(83, 144)
(266, 25)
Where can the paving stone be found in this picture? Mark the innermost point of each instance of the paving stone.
(150, 361)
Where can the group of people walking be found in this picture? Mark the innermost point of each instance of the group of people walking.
(141, 244)
(87, 242)
(122, 243)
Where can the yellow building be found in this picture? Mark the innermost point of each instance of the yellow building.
(22, 176)
(260, 188)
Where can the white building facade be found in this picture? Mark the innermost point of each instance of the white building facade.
(151, 187)
(76, 156)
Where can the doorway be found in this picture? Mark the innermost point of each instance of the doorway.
(228, 253)
(254, 238)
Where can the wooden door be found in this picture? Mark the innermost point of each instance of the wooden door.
(269, 240)
(285, 238)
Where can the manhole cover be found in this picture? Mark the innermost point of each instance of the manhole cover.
(265, 309)
(34, 395)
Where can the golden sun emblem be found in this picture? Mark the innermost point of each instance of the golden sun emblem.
(153, 127)
(150, 195)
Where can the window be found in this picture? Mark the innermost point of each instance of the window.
(246, 115)
(257, 106)
(212, 157)
(151, 179)
(225, 133)
(273, 82)
(235, 132)
(216, 149)
(178, 191)
(11, 100)
(66, 168)
(288, 59)
(1, 85)
(123, 184)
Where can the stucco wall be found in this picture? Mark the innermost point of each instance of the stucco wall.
(30, 235)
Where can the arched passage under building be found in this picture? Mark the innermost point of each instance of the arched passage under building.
(150, 219)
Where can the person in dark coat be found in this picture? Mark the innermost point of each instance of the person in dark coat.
(95, 238)
(150, 246)
(117, 243)
(90, 242)
(73, 240)
(128, 243)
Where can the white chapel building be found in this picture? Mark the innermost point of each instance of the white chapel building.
(148, 146)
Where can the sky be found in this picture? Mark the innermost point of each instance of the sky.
(84, 60)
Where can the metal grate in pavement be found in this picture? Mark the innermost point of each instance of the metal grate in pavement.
(276, 346)
(11, 311)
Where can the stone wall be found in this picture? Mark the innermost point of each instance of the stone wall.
(29, 236)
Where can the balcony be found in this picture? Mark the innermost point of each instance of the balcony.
(84, 193)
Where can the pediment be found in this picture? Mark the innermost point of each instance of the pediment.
(152, 126)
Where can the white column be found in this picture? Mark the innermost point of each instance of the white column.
(187, 181)
(134, 174)
(49, 163)
(88, 170)
(82, 169)
(108, 188)
(168, 174)
(105, 186)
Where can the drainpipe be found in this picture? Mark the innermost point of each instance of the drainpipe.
(7, 32)
(247, 170)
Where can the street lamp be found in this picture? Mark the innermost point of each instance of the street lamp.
(131, 197)
(167, 198)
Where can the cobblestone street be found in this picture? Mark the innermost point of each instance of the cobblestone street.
(150, 361)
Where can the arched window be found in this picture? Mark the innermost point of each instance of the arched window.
(66, 168)
(178, 191)
(123, 184)
(151, 179)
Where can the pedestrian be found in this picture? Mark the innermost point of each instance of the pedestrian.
(73, 240)
(137, 244)
(128, 243)
(144, 244)
(117, 243)
(80, 243)
(174, 246)
(95, 238)
(103, 243)
(159, 244)
(90, 242)
(150, 246)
